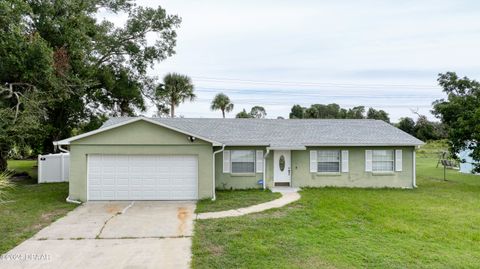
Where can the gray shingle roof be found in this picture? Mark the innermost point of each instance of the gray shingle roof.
(290, 133)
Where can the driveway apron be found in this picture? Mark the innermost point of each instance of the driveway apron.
(140, 234)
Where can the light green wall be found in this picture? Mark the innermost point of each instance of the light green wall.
(138, 138)
(139, 133)
(301, 176)
(229, 180)
(356, 177)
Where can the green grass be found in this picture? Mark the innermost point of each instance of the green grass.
(29, 208)
(28, 166)
(235, 199)
(433, 226)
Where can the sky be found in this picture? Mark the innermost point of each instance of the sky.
(381, 54)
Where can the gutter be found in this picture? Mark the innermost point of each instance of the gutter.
(265, 168)
(214, 197)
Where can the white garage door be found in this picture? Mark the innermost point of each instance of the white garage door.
(142, 177)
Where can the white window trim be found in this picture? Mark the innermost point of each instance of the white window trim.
(254, 163)
(259, 161)
(392, 161)
(339, 162)
(226, 161)
(344, 156)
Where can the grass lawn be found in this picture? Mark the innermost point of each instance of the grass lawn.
(235, 199)
(29, 208)
(28, 166)
(436, 225)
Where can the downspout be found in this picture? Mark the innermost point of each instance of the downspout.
(414, 169)
(68, 200)
(62, 149)
(214, 197)
(265, 168)
(56, 145)
(73, 201)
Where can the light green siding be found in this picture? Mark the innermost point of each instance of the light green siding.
(138, 138)
(301, 176)
(356, 177)
(232, 181)
(139, 133)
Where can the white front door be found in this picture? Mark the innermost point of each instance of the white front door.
(282, 171)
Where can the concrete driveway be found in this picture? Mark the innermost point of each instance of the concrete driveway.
(150, 234)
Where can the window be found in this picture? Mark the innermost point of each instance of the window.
(328, 161)
(243, 161)
(382, 160)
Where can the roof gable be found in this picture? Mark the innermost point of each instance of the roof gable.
(128, 121)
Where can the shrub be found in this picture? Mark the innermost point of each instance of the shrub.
(5, 184)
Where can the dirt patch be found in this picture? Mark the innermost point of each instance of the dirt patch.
(182, 215)
(46, 218)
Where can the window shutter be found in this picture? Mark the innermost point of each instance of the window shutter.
(398, 160)
(259, 163)
(313, 161)
(226, 161)
(345, 161)
(368, 161)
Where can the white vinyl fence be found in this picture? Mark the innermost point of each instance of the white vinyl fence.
(53, 168)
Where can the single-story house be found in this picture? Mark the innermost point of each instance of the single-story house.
(139, 158)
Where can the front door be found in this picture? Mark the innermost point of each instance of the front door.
(282, 172)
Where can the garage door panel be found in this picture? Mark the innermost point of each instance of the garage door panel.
(142, 177)
(109, 195)
(122, 195)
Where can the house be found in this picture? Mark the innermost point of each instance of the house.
(143, 158)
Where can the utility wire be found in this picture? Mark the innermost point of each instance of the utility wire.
(318, 84)
(290, 93)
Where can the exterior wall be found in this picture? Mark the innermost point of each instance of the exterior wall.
(243, 181)
(356, 177)
(138, 138)
(301, 176)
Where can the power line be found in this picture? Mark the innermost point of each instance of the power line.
(290, 103)
(318, 84)
(289, 93)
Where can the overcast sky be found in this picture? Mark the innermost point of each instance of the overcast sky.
(384, 54)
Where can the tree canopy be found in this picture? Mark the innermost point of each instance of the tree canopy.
(60, 66)
(257, 112)
(174, 90)
(243, 115)
(334, 111)
(407, 125)
(222, 102)
(460, 112)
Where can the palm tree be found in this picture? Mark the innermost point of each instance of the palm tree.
(176, 89)
(222, 102)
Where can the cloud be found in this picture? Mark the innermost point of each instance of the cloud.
(356, 42)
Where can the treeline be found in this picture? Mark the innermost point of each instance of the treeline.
(334, 111)
(423, 129)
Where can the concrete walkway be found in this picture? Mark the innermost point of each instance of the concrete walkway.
(289, 195)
